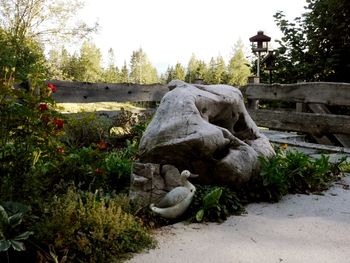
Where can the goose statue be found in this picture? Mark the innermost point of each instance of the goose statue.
(175, 202)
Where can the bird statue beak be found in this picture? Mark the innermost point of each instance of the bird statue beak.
(193, 175)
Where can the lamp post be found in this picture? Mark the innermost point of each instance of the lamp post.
(259, 45)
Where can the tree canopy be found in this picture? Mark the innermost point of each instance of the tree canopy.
(43, 20)
(315, 46)
(26, 26)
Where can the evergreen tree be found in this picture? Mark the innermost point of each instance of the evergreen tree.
(201, 70)
(169, 75)
(90, 60)
(59, 64)
(74, 70)
(111, 73)
(141, 70)
(179, 72)
(238, 69)
(192, 69)
(124, 74)
(216, 71)
(175, 73)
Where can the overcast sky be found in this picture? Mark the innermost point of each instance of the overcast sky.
(169, 31)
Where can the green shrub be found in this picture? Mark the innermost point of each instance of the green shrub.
(92, 228)
(13, 231)
(290, 172)
(215, 204)
(132, 125)
(29, 131)
(85, 128)
(91, 169)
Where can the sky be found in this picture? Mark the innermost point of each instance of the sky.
(170, 31)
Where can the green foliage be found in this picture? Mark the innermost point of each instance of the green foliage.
(315, 46)
(287, 172)
(43, 19)
(174, 73)
(86, 129)
(238, 69)
(23, 54)
(11, 230)
(345, 167)
(217, 72)
(28, 136)
(92, 227)
(141, 70)
(210, 200)
(291, 172)
(111, 74)
(212, 203)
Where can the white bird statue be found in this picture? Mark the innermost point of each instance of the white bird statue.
(175, 202)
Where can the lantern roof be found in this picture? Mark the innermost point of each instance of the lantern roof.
(260, 37)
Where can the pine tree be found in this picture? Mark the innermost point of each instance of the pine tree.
(141, 70)
(216, 73)
(238, 69)
(124, 74)
(111, 73)
(192, 69)
(179, 72)
(169, 74)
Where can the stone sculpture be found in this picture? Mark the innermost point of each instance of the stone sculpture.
(202, 128)
(175, 202)
(205, 129)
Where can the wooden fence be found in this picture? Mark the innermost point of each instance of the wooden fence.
(311, 114)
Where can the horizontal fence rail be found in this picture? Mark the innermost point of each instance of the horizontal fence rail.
(310, 116)
(86, 92)
(305, 92)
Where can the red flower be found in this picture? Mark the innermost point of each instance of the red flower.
(58, 123)
(60, 150)
(43, 107)
(52, 87)
(102, 145)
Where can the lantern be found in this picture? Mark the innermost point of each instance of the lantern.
(259, 45)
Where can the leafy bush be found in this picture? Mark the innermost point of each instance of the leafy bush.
(29, 131)
(92, 228)
(84, 129)
(129, 126)
(287, 172)
(215, 204)
(290, 172)
(12, 232)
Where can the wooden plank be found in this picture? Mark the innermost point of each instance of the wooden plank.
(320, 147)
(300, 107)
(312, 123)
(320, 108)
(308, 92)
(85, 92)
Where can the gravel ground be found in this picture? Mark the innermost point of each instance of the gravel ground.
(299, 228)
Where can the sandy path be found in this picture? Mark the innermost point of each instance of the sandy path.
(300, 228)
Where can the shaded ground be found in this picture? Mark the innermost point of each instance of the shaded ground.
(300, 228)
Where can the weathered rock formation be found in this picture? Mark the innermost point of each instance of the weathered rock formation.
(205, 129)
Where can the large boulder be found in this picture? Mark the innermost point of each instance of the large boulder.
(205, 129)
